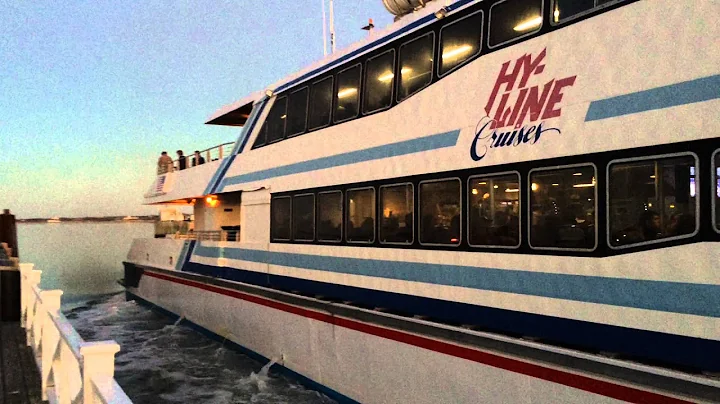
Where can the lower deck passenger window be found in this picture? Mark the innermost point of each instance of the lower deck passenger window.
(563, 208)
(280, 220)
(361, 215)
(396, 207)
(651, 200)
(330, 216)
(440, 212)
(494, 211)
(303, 219)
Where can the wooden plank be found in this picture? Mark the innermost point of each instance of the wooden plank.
(31, 374)
(15, 391)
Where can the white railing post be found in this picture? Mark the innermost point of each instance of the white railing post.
(220, 150)
(98, 363)
(49, 337)
(32, 281)
(25, 271)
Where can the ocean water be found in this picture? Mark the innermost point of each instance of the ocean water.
(159, 361)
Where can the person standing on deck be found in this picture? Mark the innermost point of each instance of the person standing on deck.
(165, 163)
(198, 159)
(182, 163)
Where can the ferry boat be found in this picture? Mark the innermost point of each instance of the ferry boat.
(488, 201)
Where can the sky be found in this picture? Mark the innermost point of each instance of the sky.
(92, 90)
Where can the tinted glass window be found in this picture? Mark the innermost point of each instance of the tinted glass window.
(511, 19)
(460, 41)
(330, 214)
(563, 208)
(717, 189)
(379, 81)
(297, 112)
(347, 103)
(275, 122)
(303, 220)
(563, 9)
(440, 212)
(416, 63)
(280, 228)
(494, 216)
(321, 96)
(651, 200)
(262, 136)
(396, 204)
(361, 215)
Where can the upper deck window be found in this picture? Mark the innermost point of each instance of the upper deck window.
(379, 81)
(563, 208)
(513, 19)
(275, 122)
(565, 9)
(321, 97)
(651, 199)
(347, 99)
(440, 212)
(297, 112)
(459, 41)
(416, 64)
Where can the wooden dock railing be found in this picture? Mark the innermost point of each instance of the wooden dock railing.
(72, 371)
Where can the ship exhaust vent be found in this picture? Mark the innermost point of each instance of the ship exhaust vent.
(401, 7)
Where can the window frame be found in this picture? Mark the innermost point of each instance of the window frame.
(553, 3)
(272, 218)
(347, 216)
(597, 207)
(292, 221)
(336, 99)
(517, 38)
(284, 136)
(650, 158)
(398, 67)
(392, 86)
(520, 209)
(713, 189)
(342, 217)
(379, 212)
(470, 58)
(332, 94)
(419, 213)
(307, 112)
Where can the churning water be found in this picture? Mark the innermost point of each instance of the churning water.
(160, 360)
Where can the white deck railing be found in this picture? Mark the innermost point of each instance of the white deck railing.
(71, 370)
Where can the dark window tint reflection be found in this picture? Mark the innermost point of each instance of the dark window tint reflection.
(494, 216)
(321, 96)
(303, 220)
(275, 123)
(440, 212)
(460, 41)
(347, 101)
(361, 215)
(563, 208)
(297, 112)
(379, 80)
(396, 207)
(416, 62)
(280, 228)
(514, 18)
(330, 216)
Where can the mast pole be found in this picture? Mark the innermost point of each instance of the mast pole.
(332, 28)
(324, 29)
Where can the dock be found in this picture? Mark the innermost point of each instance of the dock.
(19, 376)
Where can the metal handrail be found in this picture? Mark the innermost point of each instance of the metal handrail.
(218, 152)
(210, 235)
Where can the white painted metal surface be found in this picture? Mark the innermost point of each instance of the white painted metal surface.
(71, 369)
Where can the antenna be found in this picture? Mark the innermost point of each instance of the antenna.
(324, 29)
(332, 28)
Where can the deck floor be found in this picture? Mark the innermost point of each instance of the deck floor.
(19, 376)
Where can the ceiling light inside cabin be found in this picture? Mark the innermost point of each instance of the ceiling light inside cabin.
(529, 24)
(556, 14)
(385, 77)
(534, 186)
(453, 53)
(508, 190)
(406, 70)
(347, 92)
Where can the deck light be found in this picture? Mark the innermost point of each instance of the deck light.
(529, 24)
(346, 92)
(457, 51)
(386, 77)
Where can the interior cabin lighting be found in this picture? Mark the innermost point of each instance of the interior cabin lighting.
(528, 24)
(534, 186)
(453, 53)
(284, 116)
(474, 191)
(406, 70)
(556, 14)
(347, 92)
(385, 77)
(577, 174)
(508, 190)
(482, 183)
(556, 185)
(584, 185)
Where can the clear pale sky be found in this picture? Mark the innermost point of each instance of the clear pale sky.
(91, 91)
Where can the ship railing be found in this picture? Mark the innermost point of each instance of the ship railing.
(210, 235)
(214, 153)
(71, 369)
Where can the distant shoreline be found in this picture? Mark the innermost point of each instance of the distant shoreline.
(107, 219)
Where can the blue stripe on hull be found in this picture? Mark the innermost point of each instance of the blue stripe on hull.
(674, 297)
(687, 92)
(309, 383)
(667, 349)
(433, 142)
